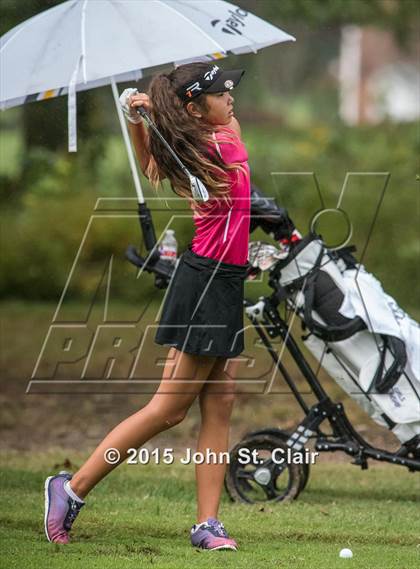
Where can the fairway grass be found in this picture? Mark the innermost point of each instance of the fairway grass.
(140, 516)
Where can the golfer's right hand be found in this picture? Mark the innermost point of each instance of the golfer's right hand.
(129, 100)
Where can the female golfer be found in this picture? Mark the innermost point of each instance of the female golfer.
(202, 317)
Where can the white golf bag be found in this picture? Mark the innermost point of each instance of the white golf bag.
(357, 332)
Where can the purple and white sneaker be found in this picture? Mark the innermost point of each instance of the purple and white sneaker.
(211, 535)
(60, 509)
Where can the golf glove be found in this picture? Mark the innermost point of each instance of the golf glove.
(130, 113)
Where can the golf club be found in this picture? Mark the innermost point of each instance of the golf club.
(198, 189)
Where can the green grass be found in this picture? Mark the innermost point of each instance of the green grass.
(140, 516)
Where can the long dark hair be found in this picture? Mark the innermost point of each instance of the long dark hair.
(189, 136)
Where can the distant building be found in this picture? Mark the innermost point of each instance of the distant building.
(377, 79)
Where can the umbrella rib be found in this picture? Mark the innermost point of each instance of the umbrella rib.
(219, 47)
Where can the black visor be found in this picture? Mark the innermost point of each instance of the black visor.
(213, 80)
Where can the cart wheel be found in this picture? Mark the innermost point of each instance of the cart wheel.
(262, 479)
(284, 436)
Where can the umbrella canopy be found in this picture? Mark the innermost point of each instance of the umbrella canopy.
(81, 44)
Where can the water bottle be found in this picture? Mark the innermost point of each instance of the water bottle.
(169, 247)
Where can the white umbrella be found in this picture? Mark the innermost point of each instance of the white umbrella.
(82, 44)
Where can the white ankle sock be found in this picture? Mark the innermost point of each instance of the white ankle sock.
(70, 492)
(198, 526)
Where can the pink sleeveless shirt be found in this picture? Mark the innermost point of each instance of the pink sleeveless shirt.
(222, 227)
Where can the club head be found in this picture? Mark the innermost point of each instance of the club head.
(198, 189)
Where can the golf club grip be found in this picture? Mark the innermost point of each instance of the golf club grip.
(142, 112)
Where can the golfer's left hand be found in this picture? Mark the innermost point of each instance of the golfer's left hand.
(130, 99)
(139, 100)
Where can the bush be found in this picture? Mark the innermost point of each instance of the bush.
(58, 194)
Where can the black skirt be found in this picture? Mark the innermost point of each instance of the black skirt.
(203, 309)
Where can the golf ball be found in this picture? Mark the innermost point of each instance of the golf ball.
(346, 553)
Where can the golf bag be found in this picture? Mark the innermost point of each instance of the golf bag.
(358, 333)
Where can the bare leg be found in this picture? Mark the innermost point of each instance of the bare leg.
(183, 378)
(216, 402)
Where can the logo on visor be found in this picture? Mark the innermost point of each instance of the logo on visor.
(192, 89)
(229, 84)
(209, 75)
